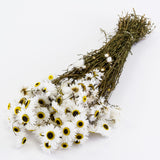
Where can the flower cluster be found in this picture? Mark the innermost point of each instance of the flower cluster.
(63, 114)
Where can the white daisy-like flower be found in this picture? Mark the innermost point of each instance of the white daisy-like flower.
(22, 139)
(95, 110)
(41, 100)
(103, 128)
(77, 110)
(68, 131)
(26, 117)
(12, 110)
(82, 99)
(42, 115)
(52, 135)
(59, 119)
(81, 136)
(81, 122)
(47, 147)
(81, 85)
(36, 89)
(16, 128)
(76, 89)
(49, 87)
(16, 109)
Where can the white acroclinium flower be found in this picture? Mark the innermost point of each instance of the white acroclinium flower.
(81, 136)
(47, 147)
(80, 122)
(60, 118)
(42, 115)
(27, 118)
(16, 128)
(16, 109)
(13, 110)
(68, 131)
(49, 87)
(22, 139)
(82, 99)
(75, 88)
(95, 112)
(36, 88)
(52, 135)
(103, 127)
(77, 110)
(41, 100)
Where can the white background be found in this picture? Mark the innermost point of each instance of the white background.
(39, 37)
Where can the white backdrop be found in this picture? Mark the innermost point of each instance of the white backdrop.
(39, 37)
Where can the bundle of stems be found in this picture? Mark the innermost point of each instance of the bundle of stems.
(131, 29)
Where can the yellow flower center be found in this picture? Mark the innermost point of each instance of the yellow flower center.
(84, 98)
(27, 104)
(41, 101)
(9, 106)
(50, 77)
(24, 140)
(77, 142)
(37, 84)
(79, 136)
(47, 145)
(58, 121)
(80, 124)
(59, 100)
(75, 112)
(105, 126)
(22, 101)
(96, 113)
(40, 115)
(17, 110)
(25, 118)
(66, 131)
(64, 145)
(16, 129)
(50, 135)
